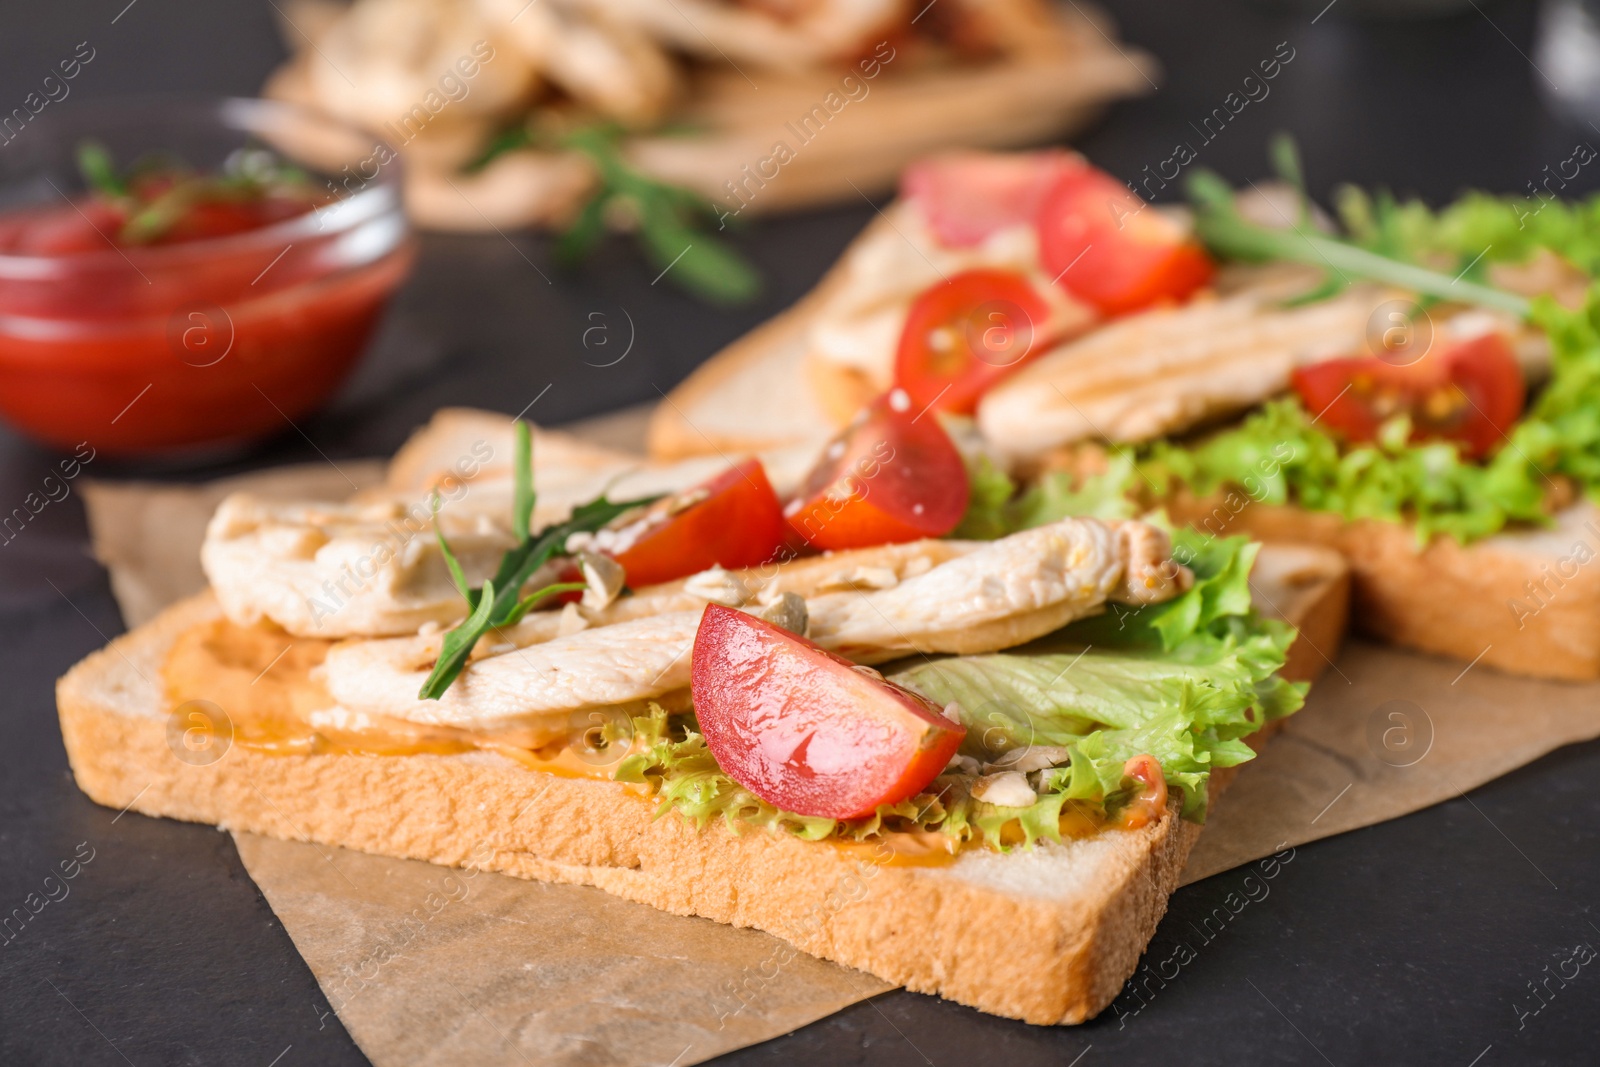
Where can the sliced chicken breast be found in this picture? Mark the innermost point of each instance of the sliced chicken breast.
(993, 596)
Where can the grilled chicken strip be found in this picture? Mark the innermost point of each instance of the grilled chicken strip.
(1166, 370)
(1172, 369)
(372, 568)
(986, 598)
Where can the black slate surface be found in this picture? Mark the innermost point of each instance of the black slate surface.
(1416, 942)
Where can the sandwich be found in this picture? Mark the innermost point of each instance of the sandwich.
(779, 695)
(477, 94)
(1414, 388)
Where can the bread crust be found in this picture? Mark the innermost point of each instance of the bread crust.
(1525, 601)
(1045, 935)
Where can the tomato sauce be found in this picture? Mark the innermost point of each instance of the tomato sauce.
(145, 328)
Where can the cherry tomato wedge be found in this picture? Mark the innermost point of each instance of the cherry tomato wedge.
(806, 730)
(1110, 249)
(964, 334)
(734, 520)
(1150, 803)
(966, 196)
(892, 475)
(1470, 392)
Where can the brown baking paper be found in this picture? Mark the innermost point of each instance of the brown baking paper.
(425, 964)
(432, 965)
(1383, 734)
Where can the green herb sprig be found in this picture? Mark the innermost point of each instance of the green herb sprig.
(1229, 235)
(248, 174)
(500, 601)
(668, 216)
(99, 172)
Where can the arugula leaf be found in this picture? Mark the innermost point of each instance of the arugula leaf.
(1229, 235)
(247, 174)
(1285, 156)
(699, 262)
(456, 574)
(522, 480)
(526, 604)
(507, 140)
(667, 214)
(500, 602)
(580, 238)
(99, 172)
(458, 644)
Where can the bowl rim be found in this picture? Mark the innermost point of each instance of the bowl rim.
(380, 195)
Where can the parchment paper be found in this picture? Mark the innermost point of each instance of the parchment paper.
(431, 966)
(1383, 734)
(428, 965)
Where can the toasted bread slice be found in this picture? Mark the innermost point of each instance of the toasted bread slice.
(1047, 935)
(1525, 601)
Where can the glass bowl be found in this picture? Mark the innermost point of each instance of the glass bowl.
(216, 341)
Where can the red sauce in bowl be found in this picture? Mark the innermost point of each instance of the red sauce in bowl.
(167, 317)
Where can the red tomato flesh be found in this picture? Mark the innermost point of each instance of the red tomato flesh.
(806, 730)
(1108, 248)
(892, 475)
(966, 333)
(734, 520)
(966, 196)
(1471, 393)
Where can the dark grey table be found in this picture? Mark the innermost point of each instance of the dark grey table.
(1418, 941)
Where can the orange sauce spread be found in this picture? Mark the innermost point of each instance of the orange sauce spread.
(262, 678)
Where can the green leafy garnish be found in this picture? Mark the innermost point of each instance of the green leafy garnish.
(1279, 454)
(1230, 235)
(667, 216)
(500, 600)
(995, 509)
(99, 172)
(1185, 681)
(989, 503)
(159, 190)
(1104, 495)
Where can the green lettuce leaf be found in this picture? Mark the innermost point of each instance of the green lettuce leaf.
(1508, 229)
(995, 509)
(988, 514)
(1184, 681)
(1058, 495)
(670, 757)
(1280, 455)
